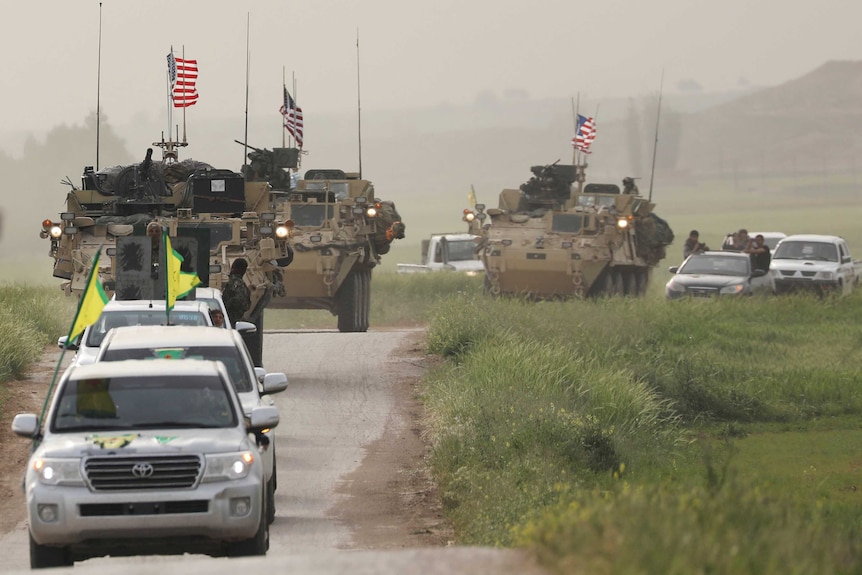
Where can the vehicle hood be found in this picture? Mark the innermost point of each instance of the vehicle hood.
(468, 265)
(161, 442)
(707, 280)
(802, 265)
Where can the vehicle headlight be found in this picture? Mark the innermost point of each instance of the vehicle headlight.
(469, 216)
(58, 471)
(56, 231)
(371, 212)
(282, 232)
(675, 287)
(622, 223)
(827, 275)
(734, 289)
(227, 466)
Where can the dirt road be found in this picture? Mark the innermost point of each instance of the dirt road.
(352, 467)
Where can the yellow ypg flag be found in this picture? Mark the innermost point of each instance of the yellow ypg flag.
(91, 303)
(178, 283)
(471, 197)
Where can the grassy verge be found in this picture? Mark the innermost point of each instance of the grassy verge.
(30, 318)
(645, 436)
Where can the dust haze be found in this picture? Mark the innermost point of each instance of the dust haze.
(451, 93)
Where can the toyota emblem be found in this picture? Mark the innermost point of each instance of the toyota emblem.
(142, 470)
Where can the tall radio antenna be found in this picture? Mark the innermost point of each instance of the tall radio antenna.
(98, 86)
(358, 104)
(655, 144)
(247, 65)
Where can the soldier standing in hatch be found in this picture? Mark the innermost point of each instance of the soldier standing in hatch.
(236, 296)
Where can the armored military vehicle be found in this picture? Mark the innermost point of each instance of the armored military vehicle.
(555, 237)
(212, 215)
(339, 230)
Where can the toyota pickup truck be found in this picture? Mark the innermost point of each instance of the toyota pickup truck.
(447, 252)
(819, 263)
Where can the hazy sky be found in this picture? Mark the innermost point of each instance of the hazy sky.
(411, 53)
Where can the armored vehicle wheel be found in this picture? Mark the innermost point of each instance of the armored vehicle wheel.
(618, 283)
(364, 300)
(642, 277)
(630, 283)
(42, 556)
(607, 283)
(349, 303)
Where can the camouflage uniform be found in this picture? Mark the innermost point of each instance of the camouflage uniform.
(237, 298)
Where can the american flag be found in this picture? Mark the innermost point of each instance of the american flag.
(183, 74)
(585, 135)
(292, 117)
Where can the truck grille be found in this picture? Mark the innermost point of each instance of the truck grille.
(144, 508)
(702, 291)
(141, 472)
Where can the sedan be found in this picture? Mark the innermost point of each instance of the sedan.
(717, 273)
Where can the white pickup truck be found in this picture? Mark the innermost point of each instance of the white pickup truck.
(814, 262)
(447, 252)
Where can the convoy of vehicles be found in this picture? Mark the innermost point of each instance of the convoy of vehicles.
(556, 237)
(718, 273)
(145, 457)
(819, 263)
(448, 252)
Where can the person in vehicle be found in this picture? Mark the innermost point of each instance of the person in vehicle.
(236, 296)
(759, 253)
(693, 245)
(217, 317)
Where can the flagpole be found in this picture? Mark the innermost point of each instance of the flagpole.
(163, 264)
(295, 107)
(170, 107)
(247, 66)
(284, 116)
(575, 122)
(186, 103)
(98, 89)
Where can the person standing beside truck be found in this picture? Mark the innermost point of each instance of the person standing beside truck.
(236, 295)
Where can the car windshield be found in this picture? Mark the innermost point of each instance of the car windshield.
(802, 250)
(136, 402)
(228, 355)
(118, 318)
(459, 251)
(716, 265)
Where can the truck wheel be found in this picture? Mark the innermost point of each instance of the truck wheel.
(270, 499)
(364, 300)
(642, 277)
(42, 556)
(347, 304)
(608, 283)
(259, 543)
(630, 283)
(618, 289)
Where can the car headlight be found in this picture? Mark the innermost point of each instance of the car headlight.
(227, 466)
(52, 471)
(674, 287)
(734, 289)
(827, 275)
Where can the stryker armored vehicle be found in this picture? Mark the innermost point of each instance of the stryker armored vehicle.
(556, 237)
(339, 230)
(213, 216)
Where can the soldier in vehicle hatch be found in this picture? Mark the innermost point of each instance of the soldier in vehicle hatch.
(236, 296)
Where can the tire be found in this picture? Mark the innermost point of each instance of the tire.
(348, 303)
(630, 283)
(366, 301)
(642, 277)
(42, 556)
(617, 280)
(259, 543)
(270, 499)
(607, 283)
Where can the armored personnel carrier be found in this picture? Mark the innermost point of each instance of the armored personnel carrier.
(555, 237)
(339, 230)
(213, 216)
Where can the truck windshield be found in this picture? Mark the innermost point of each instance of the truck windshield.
(799, 250)
(310, 215)
(135, 402)
(117, 318)
(461, 250)
(228, 355)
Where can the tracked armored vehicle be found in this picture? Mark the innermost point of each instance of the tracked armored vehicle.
(339, 230)
(555, 237)
(213, 216)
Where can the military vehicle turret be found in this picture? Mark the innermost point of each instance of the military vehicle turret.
(212, 215)
(555, 237)
(339, 230)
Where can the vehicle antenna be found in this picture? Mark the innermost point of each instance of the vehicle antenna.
(98, 85)
(655, 144)
(358, 105)
(247, 64)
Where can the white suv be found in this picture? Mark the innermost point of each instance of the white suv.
(145, 457)
(118, 313)
(253, 385)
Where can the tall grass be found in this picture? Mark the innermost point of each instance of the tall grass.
(584, 429)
